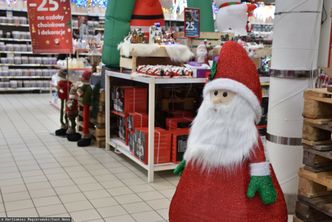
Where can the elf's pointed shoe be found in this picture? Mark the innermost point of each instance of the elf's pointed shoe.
(84, 142)
(61, 132)
(74, 137)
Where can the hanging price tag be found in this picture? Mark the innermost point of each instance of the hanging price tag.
(50, 26)
(192, 22)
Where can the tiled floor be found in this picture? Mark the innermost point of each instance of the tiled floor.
(42, 175)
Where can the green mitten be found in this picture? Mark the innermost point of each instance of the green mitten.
(180, 168)
(264, 186)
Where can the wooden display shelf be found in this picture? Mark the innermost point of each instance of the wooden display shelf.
(322, 178)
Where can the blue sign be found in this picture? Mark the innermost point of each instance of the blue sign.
(192, 20)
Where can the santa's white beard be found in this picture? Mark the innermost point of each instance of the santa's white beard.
(222, 135)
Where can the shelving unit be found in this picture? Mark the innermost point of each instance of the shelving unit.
(117, 143)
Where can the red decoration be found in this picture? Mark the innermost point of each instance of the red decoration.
(50, 26)
(178, 122)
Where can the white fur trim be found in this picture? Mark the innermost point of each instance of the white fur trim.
(179, 53)
(238, 88)
(260, 169)
(176, 52)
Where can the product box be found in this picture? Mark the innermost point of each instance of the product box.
(162, 145)
(132, 141)
(123, 131)
(129, 99)
(181, 113)
(137, 120)
(179, 144)
(178, 122)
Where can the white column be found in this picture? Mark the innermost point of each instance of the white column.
(294, 60)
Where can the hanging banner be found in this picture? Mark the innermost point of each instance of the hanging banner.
(192, 22)
(50, 26)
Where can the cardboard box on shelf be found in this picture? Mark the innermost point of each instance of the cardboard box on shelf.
(130, 99)
(179, 144)
(178, 122)
(162, 145)
(137, 120)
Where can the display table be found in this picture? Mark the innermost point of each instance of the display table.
(119, 145)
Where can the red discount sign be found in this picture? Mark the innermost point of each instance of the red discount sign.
(50, 26)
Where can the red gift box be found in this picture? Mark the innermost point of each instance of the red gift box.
(137, 120)
(182, 113)
(179, 144)
(178, 122)
(128, 99)
(162, 145)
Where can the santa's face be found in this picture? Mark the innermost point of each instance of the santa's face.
(224, 131)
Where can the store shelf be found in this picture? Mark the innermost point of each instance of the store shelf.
(15, 40)
(24, 89)
(16, 52)
(124, 149)
(30, 65)
(157, 80)
(13, 24)
(26, 77)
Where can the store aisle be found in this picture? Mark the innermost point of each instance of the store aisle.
(42, 175)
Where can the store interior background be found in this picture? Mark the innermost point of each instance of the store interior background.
(296, 43)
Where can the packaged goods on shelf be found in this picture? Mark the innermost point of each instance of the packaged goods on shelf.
(179, 144)
(162, 145)
(164, 70)
(123, 132)
(137, 120)
(181, 113)
(130, 99)
(178, 122)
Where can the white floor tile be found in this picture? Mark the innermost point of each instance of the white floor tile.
(51, 210)
(137, 207)
(68, 198)
(46, 201)
(112, 211)
(42, 193)
(15, 196)
(19, 205)
(126, 199)
(14, 188)
(90, 187)
(78, 206)
(85, 215)
(31, 212)
(119, 191)
(151, 195)
(163, 213)
(122, 218)
(67, 190)
(150, 216)
(96, 194)
(103, 202)
(159, 204)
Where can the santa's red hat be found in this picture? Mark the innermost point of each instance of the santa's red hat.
(237, 73)
(146, 13)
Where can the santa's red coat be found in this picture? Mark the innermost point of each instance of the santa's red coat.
(220, 195)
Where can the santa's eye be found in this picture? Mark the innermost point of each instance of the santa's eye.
(216, 93)
(225, 94)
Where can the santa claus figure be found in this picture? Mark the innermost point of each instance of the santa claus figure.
(233, 16)
(72, 113)
(225, 174)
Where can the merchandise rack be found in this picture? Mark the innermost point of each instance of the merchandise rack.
(116, 142)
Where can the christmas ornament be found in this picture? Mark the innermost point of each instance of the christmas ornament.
(63, 87)
(225, 175)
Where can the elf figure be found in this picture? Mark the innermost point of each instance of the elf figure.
(72, 113)
(233, 16)
(85, 93)
(225, 176)
(63, 87)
